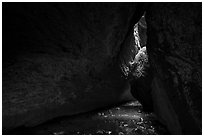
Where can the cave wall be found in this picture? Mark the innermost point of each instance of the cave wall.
(61, 59)
(174, 46)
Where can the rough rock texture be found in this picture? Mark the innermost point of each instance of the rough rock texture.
(174, 46)
(60, 58)
(141, 87)
(139, 79)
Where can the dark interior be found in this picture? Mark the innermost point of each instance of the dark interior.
(96, 65)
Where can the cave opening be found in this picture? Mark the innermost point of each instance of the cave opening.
(134, 66)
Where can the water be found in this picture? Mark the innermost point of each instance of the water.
(125, 119)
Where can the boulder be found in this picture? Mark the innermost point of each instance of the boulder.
(61, 59)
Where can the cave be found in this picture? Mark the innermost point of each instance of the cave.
(101, 68)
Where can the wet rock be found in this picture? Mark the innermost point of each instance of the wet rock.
(60, 59)
(174, 46)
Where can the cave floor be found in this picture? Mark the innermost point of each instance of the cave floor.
(124, 119)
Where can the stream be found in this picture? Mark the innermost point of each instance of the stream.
(124, 119)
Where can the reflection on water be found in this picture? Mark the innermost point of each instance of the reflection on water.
(126, 119)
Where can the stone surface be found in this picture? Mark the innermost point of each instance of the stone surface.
(174, 46)
(135, 65)
(60, 59)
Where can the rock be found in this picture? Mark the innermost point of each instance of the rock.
(135, 65)
(174, 46)
(60, 59)
(141, 90)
